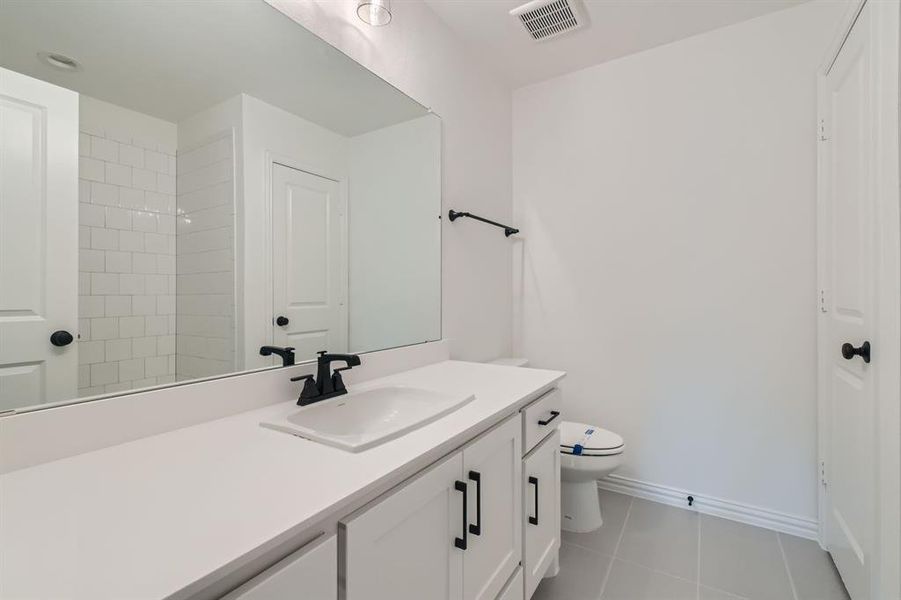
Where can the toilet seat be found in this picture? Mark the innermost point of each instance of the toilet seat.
(581, 439)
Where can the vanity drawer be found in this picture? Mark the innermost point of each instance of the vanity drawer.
(540, 418)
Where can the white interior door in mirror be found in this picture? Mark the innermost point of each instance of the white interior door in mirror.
(309, 264)
(38, 240)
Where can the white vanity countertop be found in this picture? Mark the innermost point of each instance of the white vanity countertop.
(149, 518)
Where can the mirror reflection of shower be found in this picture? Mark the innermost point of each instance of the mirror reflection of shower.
(210, 206)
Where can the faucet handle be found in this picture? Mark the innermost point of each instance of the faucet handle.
(310, 390)
(338, 382)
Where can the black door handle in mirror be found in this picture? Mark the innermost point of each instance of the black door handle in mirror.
(460, 543)
(61, 338)
(477, 528)
(554, 415)
(534, 520)
(282, 320)
(849, 351)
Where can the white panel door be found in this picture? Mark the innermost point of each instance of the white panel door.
(405, 547)
(492, 466)
(847, 251)
(38, 240)
(309, 262)
(541, 510)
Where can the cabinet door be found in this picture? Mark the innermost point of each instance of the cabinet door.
(513, 589)
(311, 573)
(405, 546)
(492, 470)
(541, 510)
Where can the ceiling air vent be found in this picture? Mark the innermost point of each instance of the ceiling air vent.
(546, 19)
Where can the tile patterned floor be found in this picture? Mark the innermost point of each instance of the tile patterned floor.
(650, 551)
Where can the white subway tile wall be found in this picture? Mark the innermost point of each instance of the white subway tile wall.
(204, 261)
(126, 263)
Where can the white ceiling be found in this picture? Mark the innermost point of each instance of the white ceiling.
(172, 60)
(615, 28)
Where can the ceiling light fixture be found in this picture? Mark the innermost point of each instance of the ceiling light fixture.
(374, 12)
(60, 62)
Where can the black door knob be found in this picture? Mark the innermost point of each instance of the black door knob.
(849, 351)
(281, 321)
(61, 338)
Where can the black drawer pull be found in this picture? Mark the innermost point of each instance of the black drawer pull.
(534, 520)
(477, 528)
(460, 543)
(554, 415)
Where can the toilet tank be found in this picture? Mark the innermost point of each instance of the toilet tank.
(511, 362)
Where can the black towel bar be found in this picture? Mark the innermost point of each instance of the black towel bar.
(454, 215)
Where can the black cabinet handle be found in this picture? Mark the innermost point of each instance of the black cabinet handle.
(281, 321)
(61, 338)
(460, 543)
(477, 528)
(534, 520)
(849, 351)
(554, 415)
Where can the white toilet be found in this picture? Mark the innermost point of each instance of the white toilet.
(587, 454)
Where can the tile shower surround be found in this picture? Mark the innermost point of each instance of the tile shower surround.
(205, 259)
(126, 285)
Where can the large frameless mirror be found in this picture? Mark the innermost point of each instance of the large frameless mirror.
(182, 183)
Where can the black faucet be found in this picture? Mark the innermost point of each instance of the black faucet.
(287, 354)
(327, 384)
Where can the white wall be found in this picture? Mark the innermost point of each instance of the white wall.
(668, 206)
(418, 54)
(394, 291)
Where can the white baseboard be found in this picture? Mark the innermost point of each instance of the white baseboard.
(743, 513)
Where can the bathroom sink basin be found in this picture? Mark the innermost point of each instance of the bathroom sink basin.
(366, 418)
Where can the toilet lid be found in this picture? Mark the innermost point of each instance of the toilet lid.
(588, 440)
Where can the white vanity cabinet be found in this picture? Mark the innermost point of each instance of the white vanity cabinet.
(451, 533)
(541, 510)
(540, 489)
(513, 589)
(481, 523)
(310, 573)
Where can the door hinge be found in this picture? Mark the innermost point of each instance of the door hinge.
(821, 131)
(823, 473)
(823, 300)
